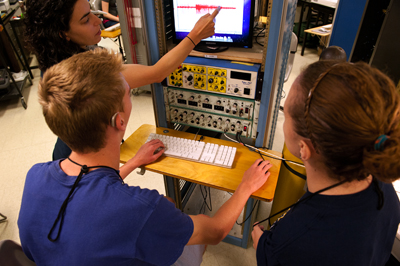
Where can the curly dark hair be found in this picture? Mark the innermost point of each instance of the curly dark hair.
(46, 21)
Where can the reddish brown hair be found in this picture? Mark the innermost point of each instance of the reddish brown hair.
(343, 108)
(80, 95)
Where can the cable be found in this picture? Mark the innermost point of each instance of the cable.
(258, 35)
(270, 155)
(205, 204)
(196, 134)
(249, 214)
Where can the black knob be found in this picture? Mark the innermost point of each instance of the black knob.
(172, 77)
(216, 73)
(190, 78)
(210, 80)
(185, 68)
(222, 82)
(236, 90)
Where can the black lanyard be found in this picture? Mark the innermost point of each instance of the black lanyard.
(304, 199)
(374, 181)
(84, 170)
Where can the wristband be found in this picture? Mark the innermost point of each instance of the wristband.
(191, 40)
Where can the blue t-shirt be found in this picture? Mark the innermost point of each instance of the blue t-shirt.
(105, 222)
(334, 230)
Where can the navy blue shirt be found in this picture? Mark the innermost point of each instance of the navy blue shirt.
(334, 230)
(105, 222)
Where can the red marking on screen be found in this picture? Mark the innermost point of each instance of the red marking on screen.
(203, 9)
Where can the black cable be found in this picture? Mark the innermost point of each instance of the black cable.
(294, 171)
(249, 214)
(205, 204)
(258, 35)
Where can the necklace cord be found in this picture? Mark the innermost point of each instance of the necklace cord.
(60, 216)
(302, 200)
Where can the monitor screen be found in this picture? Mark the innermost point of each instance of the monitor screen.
(233, 27)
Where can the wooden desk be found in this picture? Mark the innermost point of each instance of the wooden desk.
(324, 9)
(114, 34)
(322, 31)
(213, 176)
(203, 174)
(110, 34)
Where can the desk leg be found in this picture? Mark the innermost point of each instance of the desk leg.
(247, 228)
(172, 189)
(120, 48)
(305, 34)
(303, 4)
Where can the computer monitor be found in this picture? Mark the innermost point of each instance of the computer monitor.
(233, 28)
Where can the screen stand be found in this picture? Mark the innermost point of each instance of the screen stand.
(210, 49)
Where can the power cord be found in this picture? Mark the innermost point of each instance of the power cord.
(205, 204)
(267, 154)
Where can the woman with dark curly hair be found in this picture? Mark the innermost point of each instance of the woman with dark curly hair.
(343, 121)
(56, 30)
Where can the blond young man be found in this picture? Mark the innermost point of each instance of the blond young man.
(78, 211)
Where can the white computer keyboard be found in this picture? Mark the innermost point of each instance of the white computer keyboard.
(114, 27)
(197, 151)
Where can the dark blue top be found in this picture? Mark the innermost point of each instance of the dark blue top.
(105, 223)
(334, 230)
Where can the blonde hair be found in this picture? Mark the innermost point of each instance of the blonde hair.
(80, 95)
(343, 108)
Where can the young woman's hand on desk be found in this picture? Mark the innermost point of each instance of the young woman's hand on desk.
(148, 153)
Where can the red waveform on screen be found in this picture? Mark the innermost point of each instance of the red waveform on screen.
(203, 9)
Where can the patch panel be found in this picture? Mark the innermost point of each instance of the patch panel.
(211, 121)
(209, 102)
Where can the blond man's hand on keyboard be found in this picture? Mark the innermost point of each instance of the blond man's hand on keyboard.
(148, 153)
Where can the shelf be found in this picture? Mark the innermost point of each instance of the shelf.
(13, 92)
(247, 55)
